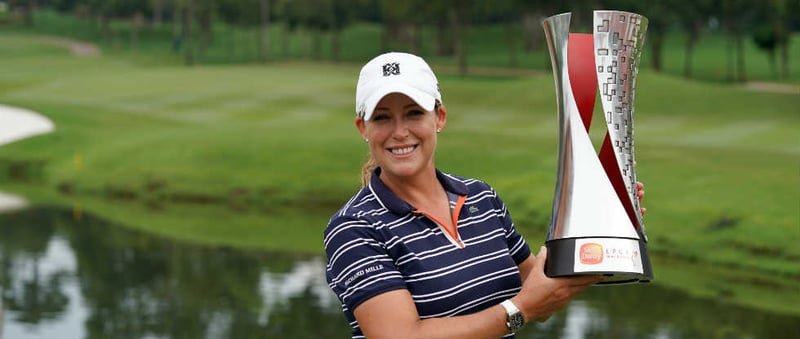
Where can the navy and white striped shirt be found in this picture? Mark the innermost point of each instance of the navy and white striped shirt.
(377, 243)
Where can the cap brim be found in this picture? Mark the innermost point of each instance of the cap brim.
(424, 100)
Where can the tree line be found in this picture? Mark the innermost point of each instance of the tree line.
(768, 23)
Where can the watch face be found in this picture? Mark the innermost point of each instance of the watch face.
(515, 321)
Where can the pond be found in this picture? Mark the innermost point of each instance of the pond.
(62, 278)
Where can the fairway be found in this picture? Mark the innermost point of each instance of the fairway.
(261, 155)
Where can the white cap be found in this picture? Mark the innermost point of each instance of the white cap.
(396, 73)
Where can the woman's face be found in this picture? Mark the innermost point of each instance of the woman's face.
(402, 135)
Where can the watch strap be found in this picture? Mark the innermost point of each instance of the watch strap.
(510, 307)
(514, 320)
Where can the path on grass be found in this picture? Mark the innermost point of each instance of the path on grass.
(773, 87)
(17, 124)
(76, 47)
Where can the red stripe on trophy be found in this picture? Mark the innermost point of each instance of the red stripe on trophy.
(583, 78)
(582, 74)
(613, 172)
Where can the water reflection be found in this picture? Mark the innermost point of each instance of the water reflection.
(89, 279)
(65, 279)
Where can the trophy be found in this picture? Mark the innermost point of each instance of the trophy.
(596, 225)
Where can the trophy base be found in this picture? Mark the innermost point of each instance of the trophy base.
(621, 260)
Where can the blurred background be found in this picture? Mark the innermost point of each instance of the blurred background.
(167, 167)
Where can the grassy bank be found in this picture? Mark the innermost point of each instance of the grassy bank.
(260, 156)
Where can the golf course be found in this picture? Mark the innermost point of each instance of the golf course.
(253, 155)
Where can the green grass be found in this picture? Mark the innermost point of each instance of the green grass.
(260, 156)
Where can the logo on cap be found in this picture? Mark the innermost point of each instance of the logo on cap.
(392, 68)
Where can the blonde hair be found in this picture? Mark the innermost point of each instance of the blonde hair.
(367, 168)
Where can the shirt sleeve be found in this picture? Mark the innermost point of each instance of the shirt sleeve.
(517, 246)
(358, 265)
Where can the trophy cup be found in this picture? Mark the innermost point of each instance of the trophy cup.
(596, 225)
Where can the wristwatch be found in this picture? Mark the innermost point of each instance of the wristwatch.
(515, 318)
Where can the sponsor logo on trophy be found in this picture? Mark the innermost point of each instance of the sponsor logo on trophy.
(596, 225)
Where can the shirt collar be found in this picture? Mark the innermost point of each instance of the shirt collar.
(393, 203)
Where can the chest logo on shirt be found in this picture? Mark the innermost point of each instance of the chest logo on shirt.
(473, 209)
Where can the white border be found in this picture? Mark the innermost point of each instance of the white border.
(608, 255)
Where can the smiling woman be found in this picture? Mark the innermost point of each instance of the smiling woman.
(421, 253)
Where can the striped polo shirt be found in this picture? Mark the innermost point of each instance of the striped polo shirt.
(377, 242)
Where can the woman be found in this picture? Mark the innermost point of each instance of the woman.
(418, 253)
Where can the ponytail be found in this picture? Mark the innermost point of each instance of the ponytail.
(366, 169)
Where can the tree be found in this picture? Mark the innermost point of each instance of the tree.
(312, 16)
(506, 13)
(187, 35)
(283, 9)
(531, 16)
(104, 11)
(315, 17)
(737, 16)
(158, 12)
(26, 8)
(263, 30)
(780, 15)
(253, 15)
(401, 20)
(342, 14)
(458, 14)
(766, 38)
(204, 14)
(692, 16)
(327, 16)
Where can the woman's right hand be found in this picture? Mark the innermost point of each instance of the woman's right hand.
(541, 296)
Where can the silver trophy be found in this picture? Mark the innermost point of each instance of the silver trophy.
(596, 225)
